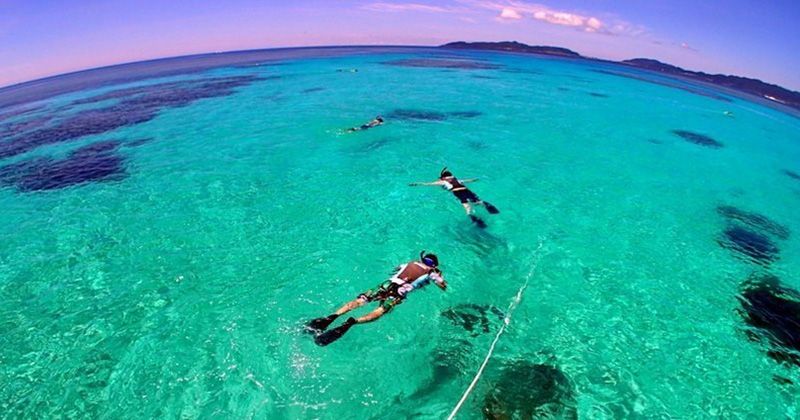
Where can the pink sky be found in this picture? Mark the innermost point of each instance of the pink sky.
(39, 39)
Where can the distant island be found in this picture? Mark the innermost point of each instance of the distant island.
(742, 84)
(512, 46)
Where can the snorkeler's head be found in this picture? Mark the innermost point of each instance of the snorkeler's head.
(379, 118)
(431, 260)
(445, 173)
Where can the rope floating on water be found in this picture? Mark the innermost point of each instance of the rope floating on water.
(507, 320)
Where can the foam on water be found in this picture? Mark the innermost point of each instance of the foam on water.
(175, 282)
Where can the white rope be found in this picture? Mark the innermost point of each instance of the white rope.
(506, 321)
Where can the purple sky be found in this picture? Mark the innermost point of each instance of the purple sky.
(759, 39)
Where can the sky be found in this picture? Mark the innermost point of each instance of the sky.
(760, 39)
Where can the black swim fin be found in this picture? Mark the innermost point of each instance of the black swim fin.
(490, 208)
(320, 324)
(478, 221)
(330, 336)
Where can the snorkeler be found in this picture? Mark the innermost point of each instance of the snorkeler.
(392, 292)
(374, 123)
(463, 194)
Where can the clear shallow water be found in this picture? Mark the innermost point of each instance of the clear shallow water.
(177, 284)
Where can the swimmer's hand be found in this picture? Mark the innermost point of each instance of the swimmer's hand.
(414, 184)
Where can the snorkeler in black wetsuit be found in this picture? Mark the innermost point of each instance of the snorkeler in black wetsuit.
(374, 123)
(462, 193)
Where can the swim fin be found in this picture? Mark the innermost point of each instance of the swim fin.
(320, 324)
(490, 208)
(330, 336)
(478, 221)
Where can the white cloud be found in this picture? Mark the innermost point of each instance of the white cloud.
(509, 13)
(516, 10)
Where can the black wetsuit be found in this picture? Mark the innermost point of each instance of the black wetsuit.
(462, 193)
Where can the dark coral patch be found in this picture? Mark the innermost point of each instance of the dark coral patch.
(137, 142)
(415, 114)
(598, 95)
(442, 64)
(177, 93)
(135, 106)
(15, 128)
(697, 138)
(130, 92)
(526, 390)
(19, 111)
(752, 246)
(95, 162)
(465, 114)
(791, 174)
(773, 311)
(424, 115)
(754, 220)
(476, 319)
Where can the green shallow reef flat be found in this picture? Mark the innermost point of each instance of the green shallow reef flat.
(164, 240)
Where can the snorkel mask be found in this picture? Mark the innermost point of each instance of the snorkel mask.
(445, 173)
(431, 260)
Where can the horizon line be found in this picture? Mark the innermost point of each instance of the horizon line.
(171, 57)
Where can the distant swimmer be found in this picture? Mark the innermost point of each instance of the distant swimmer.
(347, 70)
(463, 194)
(728, 113)
(374, 123)
(392, 292)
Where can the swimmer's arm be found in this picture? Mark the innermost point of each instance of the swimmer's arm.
(427, 184)
(438, 278)
(464, 181)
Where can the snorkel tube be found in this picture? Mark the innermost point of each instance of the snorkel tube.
(445, 173)
(431, 260)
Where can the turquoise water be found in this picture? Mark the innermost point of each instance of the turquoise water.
(179, 289)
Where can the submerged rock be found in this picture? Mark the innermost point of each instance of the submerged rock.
(697, 138)
(773, 310)
(425, 115)
(415, 114)
(526, 390)
(476, 319)
(791, 174)
(465, 114)
(754, 220)
(753, 246)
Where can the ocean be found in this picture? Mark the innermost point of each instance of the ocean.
(170, 226)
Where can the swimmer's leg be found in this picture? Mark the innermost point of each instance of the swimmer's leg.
(377, 313)
(320, 324)
(467, 207)
(353, 304)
